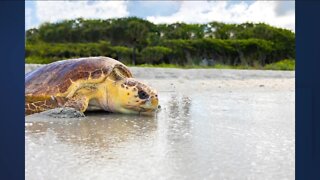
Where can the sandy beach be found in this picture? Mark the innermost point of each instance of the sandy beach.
(180, 80)
(213, 124)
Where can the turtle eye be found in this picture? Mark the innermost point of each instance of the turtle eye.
(143, 95)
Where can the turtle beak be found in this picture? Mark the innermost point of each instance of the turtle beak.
(151, 104)
(154, 102)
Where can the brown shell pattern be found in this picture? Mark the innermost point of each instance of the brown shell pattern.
(56, 77)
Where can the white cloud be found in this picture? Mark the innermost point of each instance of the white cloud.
(276, 13)
(52, 11)
(235, 12)
(28, 19)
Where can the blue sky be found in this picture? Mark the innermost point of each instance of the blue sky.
(277, 13)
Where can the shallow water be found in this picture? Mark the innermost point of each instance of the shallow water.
(205, 134)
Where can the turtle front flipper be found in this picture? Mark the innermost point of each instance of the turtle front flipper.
(78, 102)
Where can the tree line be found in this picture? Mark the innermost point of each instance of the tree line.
(137, 41)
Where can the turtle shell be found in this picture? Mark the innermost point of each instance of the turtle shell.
(56, 78)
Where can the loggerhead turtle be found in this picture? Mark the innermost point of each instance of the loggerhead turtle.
(86, 84)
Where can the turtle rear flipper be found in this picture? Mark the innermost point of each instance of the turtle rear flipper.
(58, 107)
(39, 106)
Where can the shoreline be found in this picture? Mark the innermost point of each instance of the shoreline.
(191, 74)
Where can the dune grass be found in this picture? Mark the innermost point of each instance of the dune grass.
(287, 65)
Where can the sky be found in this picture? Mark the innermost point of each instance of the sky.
(276, 13)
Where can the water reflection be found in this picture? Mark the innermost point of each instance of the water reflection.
(179, 129)
(179, 106)
(96, 130)
(179, 116)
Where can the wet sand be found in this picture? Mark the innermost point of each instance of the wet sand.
(213, 124)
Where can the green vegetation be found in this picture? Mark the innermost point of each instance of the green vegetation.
(135, 41)
(287, 64)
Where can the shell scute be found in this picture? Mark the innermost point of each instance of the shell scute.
(63, 87)
(79, 75)
(96, 74)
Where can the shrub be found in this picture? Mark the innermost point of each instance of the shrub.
(155, 54)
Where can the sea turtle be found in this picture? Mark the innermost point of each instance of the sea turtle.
(85, 84)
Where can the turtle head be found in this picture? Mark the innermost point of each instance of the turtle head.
(132, 96)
